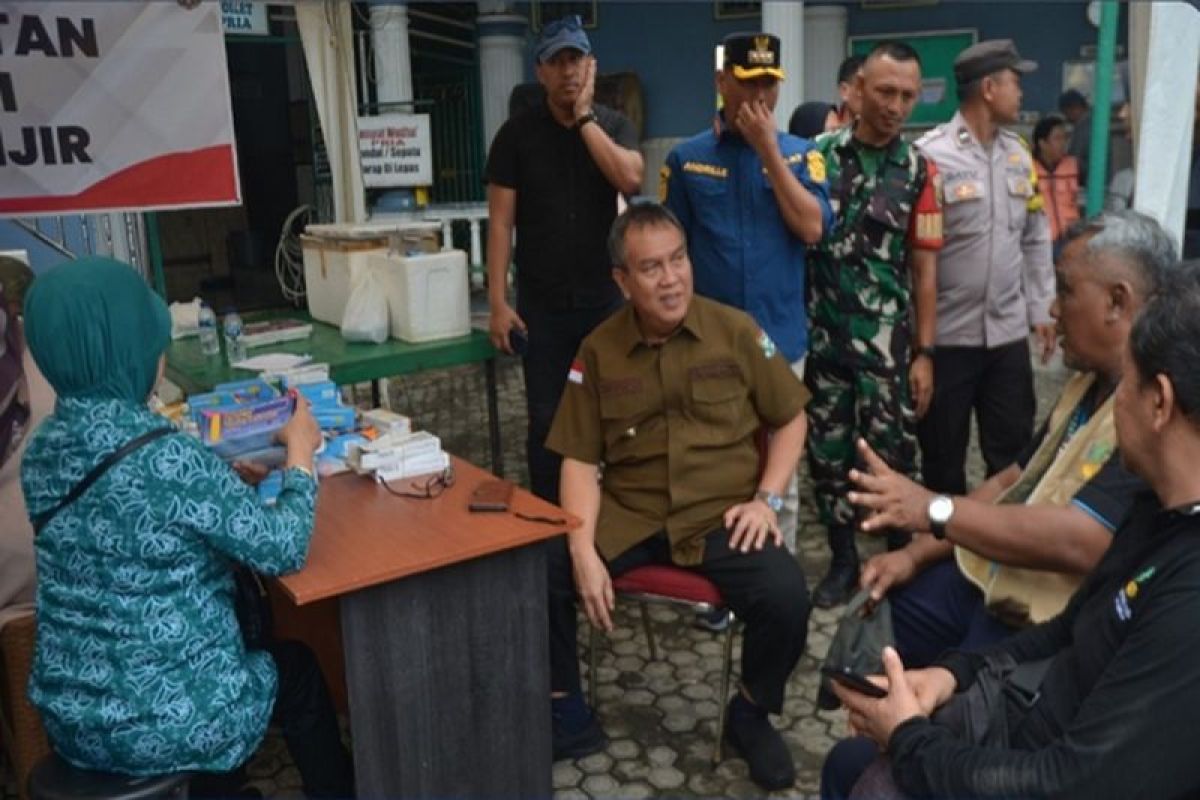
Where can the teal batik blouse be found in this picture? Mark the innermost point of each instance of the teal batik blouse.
(140, 666)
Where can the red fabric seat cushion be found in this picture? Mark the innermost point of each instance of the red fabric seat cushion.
(668, 581)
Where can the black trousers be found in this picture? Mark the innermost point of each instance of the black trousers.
(304, 711)
(555, 334)
(997, 383)
(764, 588)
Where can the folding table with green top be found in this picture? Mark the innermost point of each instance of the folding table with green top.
(349, 362)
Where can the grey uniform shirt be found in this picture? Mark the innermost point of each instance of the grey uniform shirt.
(995, 272)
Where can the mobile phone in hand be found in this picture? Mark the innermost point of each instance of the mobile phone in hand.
(853, 681)
(518, 341)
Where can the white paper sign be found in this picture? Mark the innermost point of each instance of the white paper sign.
(245, 17)
(395, 150)
(111, 105)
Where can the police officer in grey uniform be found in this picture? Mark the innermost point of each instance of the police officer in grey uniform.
(995, 275)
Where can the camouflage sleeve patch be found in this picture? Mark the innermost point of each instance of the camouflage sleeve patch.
(925, 231)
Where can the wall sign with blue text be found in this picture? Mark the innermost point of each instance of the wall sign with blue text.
(244, 17)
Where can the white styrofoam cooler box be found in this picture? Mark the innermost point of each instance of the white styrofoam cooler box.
(328, 265)
(428, 294)
(332, 253)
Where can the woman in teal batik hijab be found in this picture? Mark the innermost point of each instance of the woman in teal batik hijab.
(140, 666)
(96, 330)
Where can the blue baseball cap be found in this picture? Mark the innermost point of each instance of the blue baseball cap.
(561, 34)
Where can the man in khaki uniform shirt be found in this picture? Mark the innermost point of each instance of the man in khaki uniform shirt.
(669, 394)
(995, 276)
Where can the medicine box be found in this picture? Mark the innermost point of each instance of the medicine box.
(385, 421)
(320, 394)
(406, 467)
(308, 373)
(251, 388)
(335, 418)
(230, 395)
(235, 430)
(273, 331)
(428, 295)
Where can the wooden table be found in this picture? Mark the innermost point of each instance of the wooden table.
(444, 631)
(349, 362)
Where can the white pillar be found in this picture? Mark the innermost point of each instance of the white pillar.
(393, 65)
(785, 19)
(824, 50)
(501, 65)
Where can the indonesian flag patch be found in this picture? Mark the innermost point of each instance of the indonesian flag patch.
(576, 373)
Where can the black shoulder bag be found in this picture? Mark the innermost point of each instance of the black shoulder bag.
(250, 601)
(40, 520)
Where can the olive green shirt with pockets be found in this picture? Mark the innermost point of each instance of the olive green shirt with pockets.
(673, 424)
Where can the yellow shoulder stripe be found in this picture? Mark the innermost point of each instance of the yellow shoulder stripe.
(1036, 201)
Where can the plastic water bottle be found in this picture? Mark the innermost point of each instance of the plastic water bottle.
(235, 347)
(209, 345)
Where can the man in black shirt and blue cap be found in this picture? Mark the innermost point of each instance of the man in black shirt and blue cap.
(553, 175)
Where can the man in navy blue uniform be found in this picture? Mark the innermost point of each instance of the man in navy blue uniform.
(751, 199)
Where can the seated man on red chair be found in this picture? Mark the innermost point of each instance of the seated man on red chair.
(668, 395)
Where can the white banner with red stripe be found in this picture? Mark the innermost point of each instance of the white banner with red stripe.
(114, 106)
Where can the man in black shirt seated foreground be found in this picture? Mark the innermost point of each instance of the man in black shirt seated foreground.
(1101, 701)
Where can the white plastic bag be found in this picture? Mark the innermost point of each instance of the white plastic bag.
(366, 316)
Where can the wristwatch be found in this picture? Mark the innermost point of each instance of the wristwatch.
(940, 510)
(923, 350)
(773, 501)
(585, 119)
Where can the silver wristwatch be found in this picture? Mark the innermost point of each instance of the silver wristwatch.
(940, 510)
(773, 501)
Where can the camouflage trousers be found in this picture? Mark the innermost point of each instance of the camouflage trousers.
(860, 392)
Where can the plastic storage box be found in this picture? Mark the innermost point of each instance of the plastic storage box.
(328, 264)
(428, 296)
(332, 252)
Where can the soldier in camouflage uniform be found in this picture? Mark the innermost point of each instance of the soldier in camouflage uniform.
(867, 365)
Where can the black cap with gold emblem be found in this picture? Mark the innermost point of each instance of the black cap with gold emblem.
(751, 55)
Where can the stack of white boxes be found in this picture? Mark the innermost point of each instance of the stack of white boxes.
(399, 455)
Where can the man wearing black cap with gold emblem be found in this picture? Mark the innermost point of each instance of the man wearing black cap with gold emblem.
(751, 199)
(995, 275)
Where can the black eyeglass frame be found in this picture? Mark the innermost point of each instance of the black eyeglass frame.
(427, 489)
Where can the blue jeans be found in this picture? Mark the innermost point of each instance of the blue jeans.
(938, 611)
(844, 764)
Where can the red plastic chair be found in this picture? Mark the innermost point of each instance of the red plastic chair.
(666, 584)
